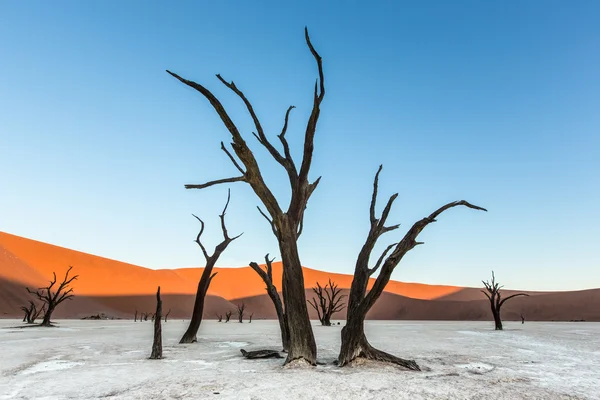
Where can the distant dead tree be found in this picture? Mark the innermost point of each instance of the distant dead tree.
(144, 316)
(267, 277)
(157, 343)
(329, 301)
(287, 225)
(32, 312)
(240, 312)
(228, 316)
(167, 314)
(135, 316)
(250, 318)
(219, 317)
(354, 341)
(207, 275)
(53, 299)
(492, 292)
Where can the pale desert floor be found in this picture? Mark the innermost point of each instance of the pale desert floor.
(461, 360)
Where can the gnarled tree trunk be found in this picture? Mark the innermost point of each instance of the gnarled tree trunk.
(267, 277)
(354, 341)
(286, 225)
(207, 275)
(492, 292)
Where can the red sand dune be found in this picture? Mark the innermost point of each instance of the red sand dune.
(119, 289)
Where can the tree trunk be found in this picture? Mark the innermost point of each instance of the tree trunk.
(190, 334)
(302, 343)
(46, 320)
(157, 343)
(497, 320)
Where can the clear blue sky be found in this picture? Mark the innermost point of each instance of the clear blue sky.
(493, 102)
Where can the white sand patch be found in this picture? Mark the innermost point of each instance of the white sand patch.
(460, 360)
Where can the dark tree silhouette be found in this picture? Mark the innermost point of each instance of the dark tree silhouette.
(250, 318)
(354, 341)
(267, 277)
(522, 319)
(240, 312)
(32, 312)
(492, 292)
(207, 275)
(167, 314)
(228, 316)
(219, 317)
(329, 298)
(157, 343)
(135, 316)
(286, 224)
(51, 298)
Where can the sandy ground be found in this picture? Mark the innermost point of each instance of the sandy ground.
(461, 360)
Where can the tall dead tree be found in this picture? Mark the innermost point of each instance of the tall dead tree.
(286, 225)
(354, 341)
(207, 275)
(51, 298)
(267, 277)
(157, 343)
(32, 312)
(492, 292)
(240, 312)
(228, 316)
(329, 299)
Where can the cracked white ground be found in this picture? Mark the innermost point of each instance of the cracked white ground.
(461, 360)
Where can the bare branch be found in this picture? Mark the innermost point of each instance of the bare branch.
(217, 182)
(235, 163)
(281, 136)
(374, 196)
(273, 227)
(512, 296)
(206, 256)
(381, 257)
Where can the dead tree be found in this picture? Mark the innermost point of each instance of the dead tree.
(157, 343)
(354, 341)
(329, 301)
(219, 317)
(240, 312)
(207, 275)
(228, 316)
(250, 318)
(32, 312)
(53, 299)
(492, 292)
(286, 224)
(144, 316)
(167, 314)
(267, 277)
(135, 316)
(522, 319)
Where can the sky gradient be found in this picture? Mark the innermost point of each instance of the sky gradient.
(496, 103)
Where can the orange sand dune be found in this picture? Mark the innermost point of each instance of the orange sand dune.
(99, 276)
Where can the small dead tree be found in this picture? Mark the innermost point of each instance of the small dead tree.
(32, 312)
(207, 275)
(354, 341)
(228, 316)
(286, 224)
(144, 316)
(267, 277)
(250, 318)
(522, 319)
(219, 317)
(51, 298)
(157, 343)
(135, 316)
(329, 301)
(240, 312)
(167, 314)
(492, 292)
